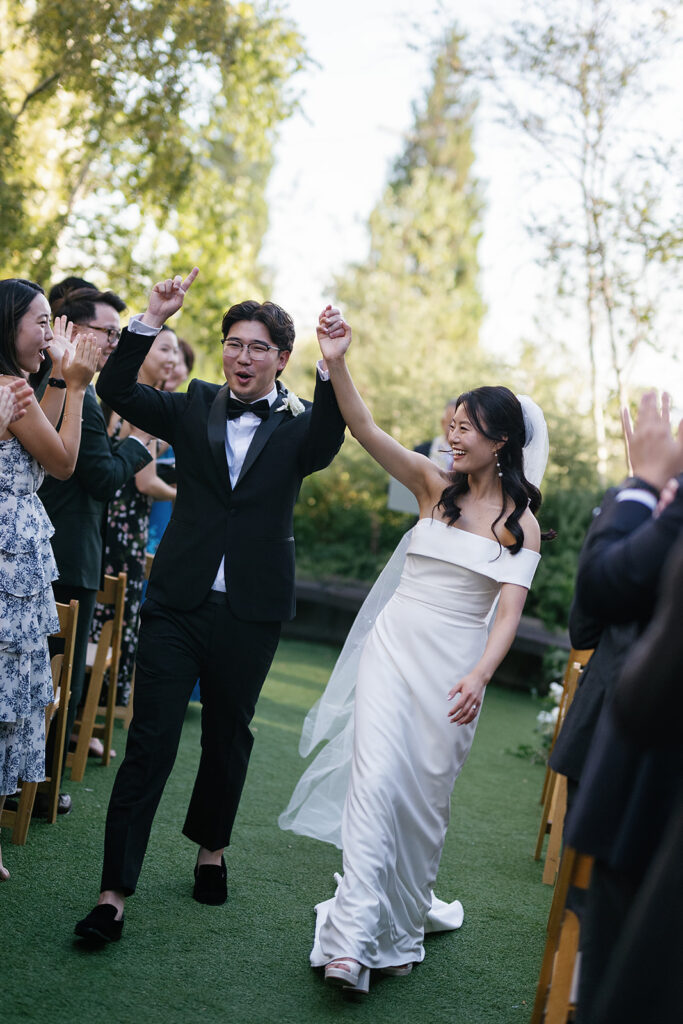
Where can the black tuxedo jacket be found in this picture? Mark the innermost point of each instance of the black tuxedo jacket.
(78, 506)
(624, 796)
(251, 525)
(620, 567)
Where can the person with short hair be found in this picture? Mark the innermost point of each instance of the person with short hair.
(222, 581)
(438, 450)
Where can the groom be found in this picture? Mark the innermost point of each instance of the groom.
(223, 577)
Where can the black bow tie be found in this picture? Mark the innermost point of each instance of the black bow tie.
(236, 408)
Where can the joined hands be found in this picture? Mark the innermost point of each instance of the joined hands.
(334, 334)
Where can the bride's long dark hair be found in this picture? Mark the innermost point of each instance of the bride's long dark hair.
(497, 414)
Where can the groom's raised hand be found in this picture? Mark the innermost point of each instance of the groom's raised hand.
(166, 298)
(334, 334)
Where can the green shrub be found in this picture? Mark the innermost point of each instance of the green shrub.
(569, 513)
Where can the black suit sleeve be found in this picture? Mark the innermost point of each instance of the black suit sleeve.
(325, 432)
(101, 471)
(584, 630)
(153, 411)
(622, 560)
(649, 697)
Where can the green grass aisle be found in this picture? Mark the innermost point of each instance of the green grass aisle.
(246, 962)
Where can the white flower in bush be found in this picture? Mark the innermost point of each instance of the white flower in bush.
(555, 690)
(548, 717)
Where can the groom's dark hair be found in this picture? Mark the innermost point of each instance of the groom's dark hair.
(275, 319)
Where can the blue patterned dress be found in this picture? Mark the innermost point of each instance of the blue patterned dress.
(27, 616)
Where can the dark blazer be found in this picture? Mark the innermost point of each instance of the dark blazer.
(624, 796)
(620, 566)
(78, 506)
(251, 525)
(648, 702)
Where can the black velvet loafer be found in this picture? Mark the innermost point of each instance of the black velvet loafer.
(100, 925)
(211, 883)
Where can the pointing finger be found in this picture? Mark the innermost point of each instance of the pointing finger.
(187, 283)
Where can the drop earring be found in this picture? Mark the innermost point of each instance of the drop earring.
(500, 471)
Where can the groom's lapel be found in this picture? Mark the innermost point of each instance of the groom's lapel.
(216, 432)
(263, 432)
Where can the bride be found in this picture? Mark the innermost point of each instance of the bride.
(402, 705)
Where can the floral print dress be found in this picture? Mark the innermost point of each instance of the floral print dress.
(27, 616)
(125, 551)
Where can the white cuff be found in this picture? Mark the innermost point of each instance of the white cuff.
(133, 438)
(136, 326)
(323, 374)
(638, 494)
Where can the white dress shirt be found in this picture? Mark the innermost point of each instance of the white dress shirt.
(239, 433)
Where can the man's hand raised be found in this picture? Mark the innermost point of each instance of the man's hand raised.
(655, 454)
(166, 298)
(334, 334)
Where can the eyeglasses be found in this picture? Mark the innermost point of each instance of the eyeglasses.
(112, 334)
(257, 349)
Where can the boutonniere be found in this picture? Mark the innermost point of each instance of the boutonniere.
(291, 403)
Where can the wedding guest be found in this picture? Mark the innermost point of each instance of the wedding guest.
(29, 446)
(624, 797)
(160, 515)
(643, 980)
(183, 367)
(128, 518)
(438, 450)
(77, 507)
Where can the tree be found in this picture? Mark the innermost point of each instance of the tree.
(415, 303)
(136, 131)
(576, 79)
(415, 308)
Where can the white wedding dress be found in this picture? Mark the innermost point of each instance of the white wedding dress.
(393, 755)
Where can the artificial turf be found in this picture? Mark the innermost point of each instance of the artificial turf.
(246, 962)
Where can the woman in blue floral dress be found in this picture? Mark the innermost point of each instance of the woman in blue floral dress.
(30, 446)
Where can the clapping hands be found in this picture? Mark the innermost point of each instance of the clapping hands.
(61, 344)
(79, 360)
(15, 399)
(655, 453)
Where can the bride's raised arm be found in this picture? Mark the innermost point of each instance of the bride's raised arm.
(413, 470)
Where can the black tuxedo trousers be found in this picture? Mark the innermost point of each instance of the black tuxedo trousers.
(231, 658)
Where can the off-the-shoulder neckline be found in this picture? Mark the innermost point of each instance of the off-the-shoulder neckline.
(469, 533)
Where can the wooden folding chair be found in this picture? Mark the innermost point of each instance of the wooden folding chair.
(553, 994)
(555, 789)
(579, 657)
(101, 658)
(61, 678)
(126, 713)
(55, 718)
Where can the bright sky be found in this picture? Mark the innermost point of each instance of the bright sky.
(333, 158)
